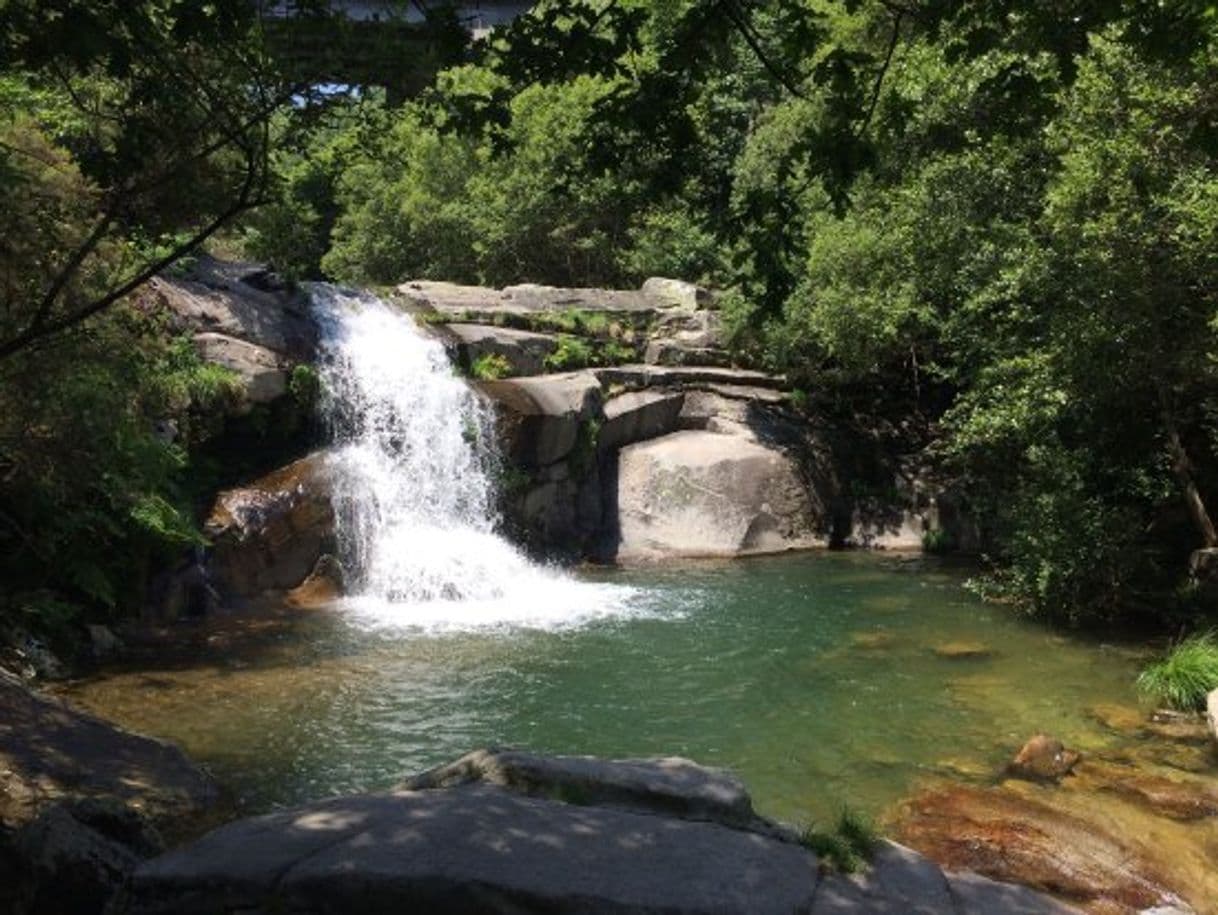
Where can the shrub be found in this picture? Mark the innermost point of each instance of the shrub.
(572, 353)
(490, 367)
(848, 847)
(1182, 679)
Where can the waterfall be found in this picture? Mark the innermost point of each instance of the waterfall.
(414, 490)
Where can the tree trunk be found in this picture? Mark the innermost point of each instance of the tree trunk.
(1183, 469)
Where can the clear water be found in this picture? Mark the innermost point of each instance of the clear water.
(813, 676)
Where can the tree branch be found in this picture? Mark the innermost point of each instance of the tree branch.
(245, 200)
(742, 26)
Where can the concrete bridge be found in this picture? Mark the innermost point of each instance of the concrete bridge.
(397, 44)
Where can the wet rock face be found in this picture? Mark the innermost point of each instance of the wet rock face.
(1018, 839)
(269, 535)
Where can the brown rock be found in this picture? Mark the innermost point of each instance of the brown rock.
(323, 586)
(1020, 840)
(1115, 717)
(269, 535)
(1177, 798)
(1043, 758)
(1173, 725)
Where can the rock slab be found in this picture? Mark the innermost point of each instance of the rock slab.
(505, 832)
(697, 493)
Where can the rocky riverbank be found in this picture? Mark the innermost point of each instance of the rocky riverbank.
(502, 831)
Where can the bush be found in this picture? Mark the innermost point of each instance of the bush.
(490, 367)
(1186, 675)
(572, 353)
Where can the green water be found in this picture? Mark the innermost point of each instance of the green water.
(813, 676)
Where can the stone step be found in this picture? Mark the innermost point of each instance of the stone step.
(650, 376)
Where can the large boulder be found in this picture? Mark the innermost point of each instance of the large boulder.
(270, 534)
(510, 832)
(701, 494)
(76, 855)
(263, 373)
(474, 848)
(242, 301)
(243, 317)
(653, 376)
(525, 352)
(539, 417)
(50, 751)
(670, 786)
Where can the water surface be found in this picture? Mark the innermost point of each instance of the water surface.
(813, 676)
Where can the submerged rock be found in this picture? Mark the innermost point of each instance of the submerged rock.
(1017, 839)
(1178, 797)
(963, 650)
(1043, 758)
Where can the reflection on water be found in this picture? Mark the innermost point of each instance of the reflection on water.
(813, 676)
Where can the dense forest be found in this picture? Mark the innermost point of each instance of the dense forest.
(995, 223)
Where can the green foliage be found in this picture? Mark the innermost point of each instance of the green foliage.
(490, 367)
(94, 439)
(1184, 678)
(583, 454)
(938, 542)
(847, 848)
(571, 353)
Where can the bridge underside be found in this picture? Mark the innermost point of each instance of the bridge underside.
(402, 57)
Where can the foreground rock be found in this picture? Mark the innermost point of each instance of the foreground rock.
(503, 832)
(270, 534)
(80, 803)
(50, 751)
(705, 494)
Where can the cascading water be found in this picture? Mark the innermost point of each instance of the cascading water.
(414, 490)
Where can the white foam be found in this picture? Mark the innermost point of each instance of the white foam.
(414, 496)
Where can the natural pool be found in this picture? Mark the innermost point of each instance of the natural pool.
(813, 676)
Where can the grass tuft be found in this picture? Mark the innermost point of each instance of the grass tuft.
(846, 849)
(1186, 675)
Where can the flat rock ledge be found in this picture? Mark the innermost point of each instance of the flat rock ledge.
(509, 832)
